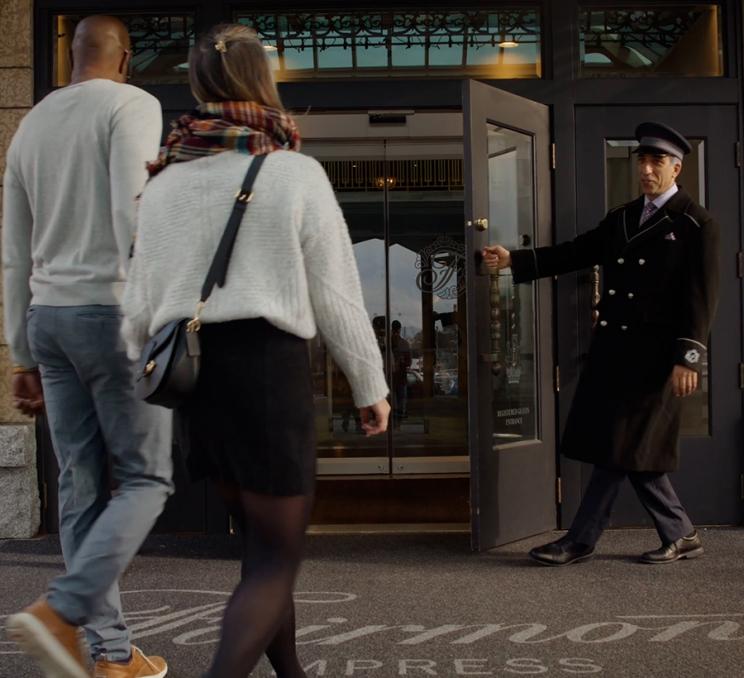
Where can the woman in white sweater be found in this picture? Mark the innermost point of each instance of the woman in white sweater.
(250, 425)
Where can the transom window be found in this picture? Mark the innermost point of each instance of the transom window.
(503, 43)
(160, 47)
(666, 40)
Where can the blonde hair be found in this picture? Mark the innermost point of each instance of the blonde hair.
(229, 63)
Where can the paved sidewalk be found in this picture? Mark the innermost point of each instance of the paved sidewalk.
(382, 605)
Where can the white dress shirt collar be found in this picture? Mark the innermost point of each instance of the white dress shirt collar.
(662, 199)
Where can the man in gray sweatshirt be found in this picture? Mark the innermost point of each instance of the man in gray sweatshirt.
(74, 170)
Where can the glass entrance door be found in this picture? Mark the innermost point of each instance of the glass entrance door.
(511, 419)
(427, 331)
(354, 167)
(402, 197)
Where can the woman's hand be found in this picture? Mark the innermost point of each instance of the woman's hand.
(496, 257)
(684, 381)
(375, 417)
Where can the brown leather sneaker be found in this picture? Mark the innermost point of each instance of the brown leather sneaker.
(49, 639)
(139, 666)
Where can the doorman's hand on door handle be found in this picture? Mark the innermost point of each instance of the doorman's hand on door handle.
(496, 257)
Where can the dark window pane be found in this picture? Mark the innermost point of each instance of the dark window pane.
(667, 40)
(370, 41)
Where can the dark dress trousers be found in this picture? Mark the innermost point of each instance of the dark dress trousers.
(660, 294)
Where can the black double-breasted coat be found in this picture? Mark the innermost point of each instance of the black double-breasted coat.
(660, 283)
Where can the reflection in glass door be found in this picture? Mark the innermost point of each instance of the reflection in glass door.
(403, 203)
(354, 169)
(511, 210)
(426, 264)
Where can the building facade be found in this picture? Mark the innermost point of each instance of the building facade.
(442, 128)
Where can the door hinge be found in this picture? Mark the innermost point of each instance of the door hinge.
(44, 496)
(741, 486)
(741, 376)
(737, 153)
(740, 263)
(557, 384)
(558, 490)
(552, 155)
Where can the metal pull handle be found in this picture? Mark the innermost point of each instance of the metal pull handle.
(495, 323)
(595, 295)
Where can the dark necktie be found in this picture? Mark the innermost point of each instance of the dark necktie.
(648, 210)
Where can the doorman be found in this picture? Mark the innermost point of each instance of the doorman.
(659, 254)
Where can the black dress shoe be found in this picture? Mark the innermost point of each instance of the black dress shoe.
(561, 552)
(686, 547)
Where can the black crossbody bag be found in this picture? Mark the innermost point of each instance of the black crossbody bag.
(168, 368)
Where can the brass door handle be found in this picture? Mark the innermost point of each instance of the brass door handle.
(480, 224)
(596, 297)
(494, 356)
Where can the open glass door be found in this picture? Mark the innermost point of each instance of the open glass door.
(400, 187)
(511, 417)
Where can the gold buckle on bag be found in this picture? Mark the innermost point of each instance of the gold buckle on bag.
(194, 325)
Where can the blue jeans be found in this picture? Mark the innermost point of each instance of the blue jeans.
(100, 433)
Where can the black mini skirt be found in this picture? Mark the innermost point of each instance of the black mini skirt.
(251, 420)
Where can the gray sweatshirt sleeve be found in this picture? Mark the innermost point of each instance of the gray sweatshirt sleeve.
(136, 128)
(16, 243)
(336, 292)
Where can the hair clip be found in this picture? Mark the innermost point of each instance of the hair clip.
(220, 46)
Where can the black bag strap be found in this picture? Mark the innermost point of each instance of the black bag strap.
(218, 269)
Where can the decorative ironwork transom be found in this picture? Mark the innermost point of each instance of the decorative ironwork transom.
(499, 43)
(681, 40)
(160, 47)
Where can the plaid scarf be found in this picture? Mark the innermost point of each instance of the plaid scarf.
(242, 126)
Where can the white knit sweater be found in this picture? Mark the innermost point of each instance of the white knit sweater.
(74, 169)
(293, 262)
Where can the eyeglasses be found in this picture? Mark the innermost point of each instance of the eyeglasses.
(130, 59)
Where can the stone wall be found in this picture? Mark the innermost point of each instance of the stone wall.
(19, 494)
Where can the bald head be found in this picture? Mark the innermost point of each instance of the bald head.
(100, 49)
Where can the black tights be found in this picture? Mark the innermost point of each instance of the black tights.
(260, 614)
